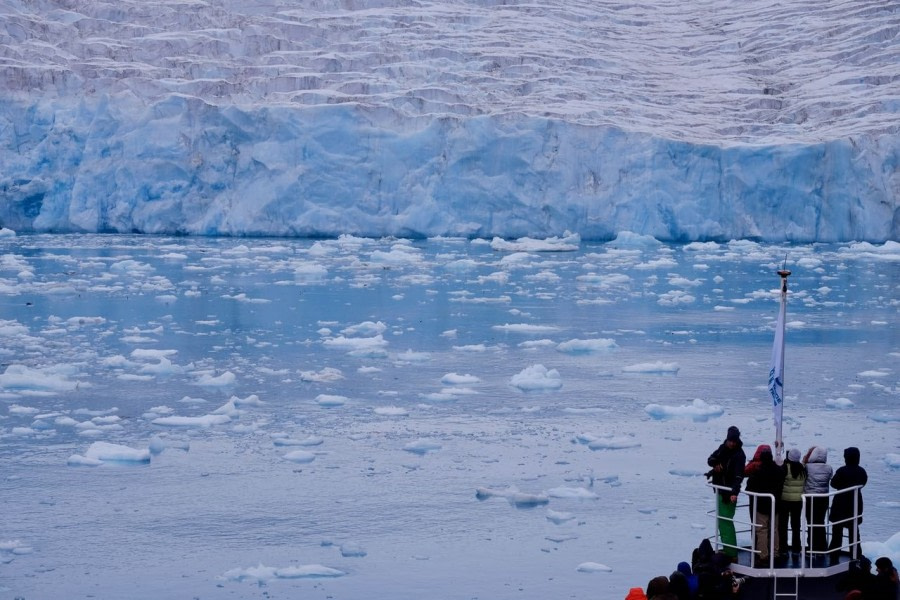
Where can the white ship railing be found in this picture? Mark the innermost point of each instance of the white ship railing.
(818, 562)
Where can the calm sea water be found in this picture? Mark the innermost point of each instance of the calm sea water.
(393, 363)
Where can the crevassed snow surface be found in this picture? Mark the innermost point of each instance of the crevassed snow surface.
(709, 120)
(309, 469)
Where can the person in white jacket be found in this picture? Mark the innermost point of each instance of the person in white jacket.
(818, 476)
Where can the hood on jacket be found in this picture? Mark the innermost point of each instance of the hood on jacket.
(760, 450)
(684, 568)
(817, 454)
(851, 456)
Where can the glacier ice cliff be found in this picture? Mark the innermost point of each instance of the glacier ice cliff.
(478, 118)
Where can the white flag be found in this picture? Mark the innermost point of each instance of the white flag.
(776, 371)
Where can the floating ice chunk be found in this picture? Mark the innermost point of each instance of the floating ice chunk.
(226, 379)
(675, 298)
(461, 265)
(455, 379)
(701, 247)
(558, 517)
(526, 500)
(885, 417)
(131, 267)
(242, 297)
(77, 460)
(391, 411)
(52, 379)
(365, 344)
(892, 460)
(107, 452)
(686, 472)
(593, 567)
(202, 422)
(874, 373)
(414, 357)
(439, 397)
(527, 328)
(537, 377)
(12, 328)
(300, 456)
(470, 348)
(570, 242)
(312, 440)
(607, 442)
(330, 400)
(572, 492)
(308, 572)
(576, 346)
(658, 367)
(310, 272)
(158, 444)
(699, 411)
(164, 367)
(366, 328)
(534, 344)
(398, 256)
(7, 233)
(23, 411)
(251, 400)
(422, 447)
(326, 375)
(838, 403)
(513, 496)
(258, 573)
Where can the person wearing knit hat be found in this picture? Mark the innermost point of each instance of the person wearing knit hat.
(790, 505)
(727, 463)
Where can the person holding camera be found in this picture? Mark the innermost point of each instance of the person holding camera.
(727, 463)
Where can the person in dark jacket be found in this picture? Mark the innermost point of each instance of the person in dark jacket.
(727, 463)
(848, 476)
(859, 577)
(767, 478)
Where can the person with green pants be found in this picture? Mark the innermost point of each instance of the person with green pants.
(727, 463)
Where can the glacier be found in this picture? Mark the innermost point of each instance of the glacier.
(702, 121)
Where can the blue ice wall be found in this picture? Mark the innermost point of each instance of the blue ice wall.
(182, 165)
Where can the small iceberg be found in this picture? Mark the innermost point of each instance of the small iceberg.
(104, 452)
(300, 456)
(536, 377)
(422, 447)
(592, 567)
(653, 368)
(698, 411)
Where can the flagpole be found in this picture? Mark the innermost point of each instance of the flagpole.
(776, 371)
